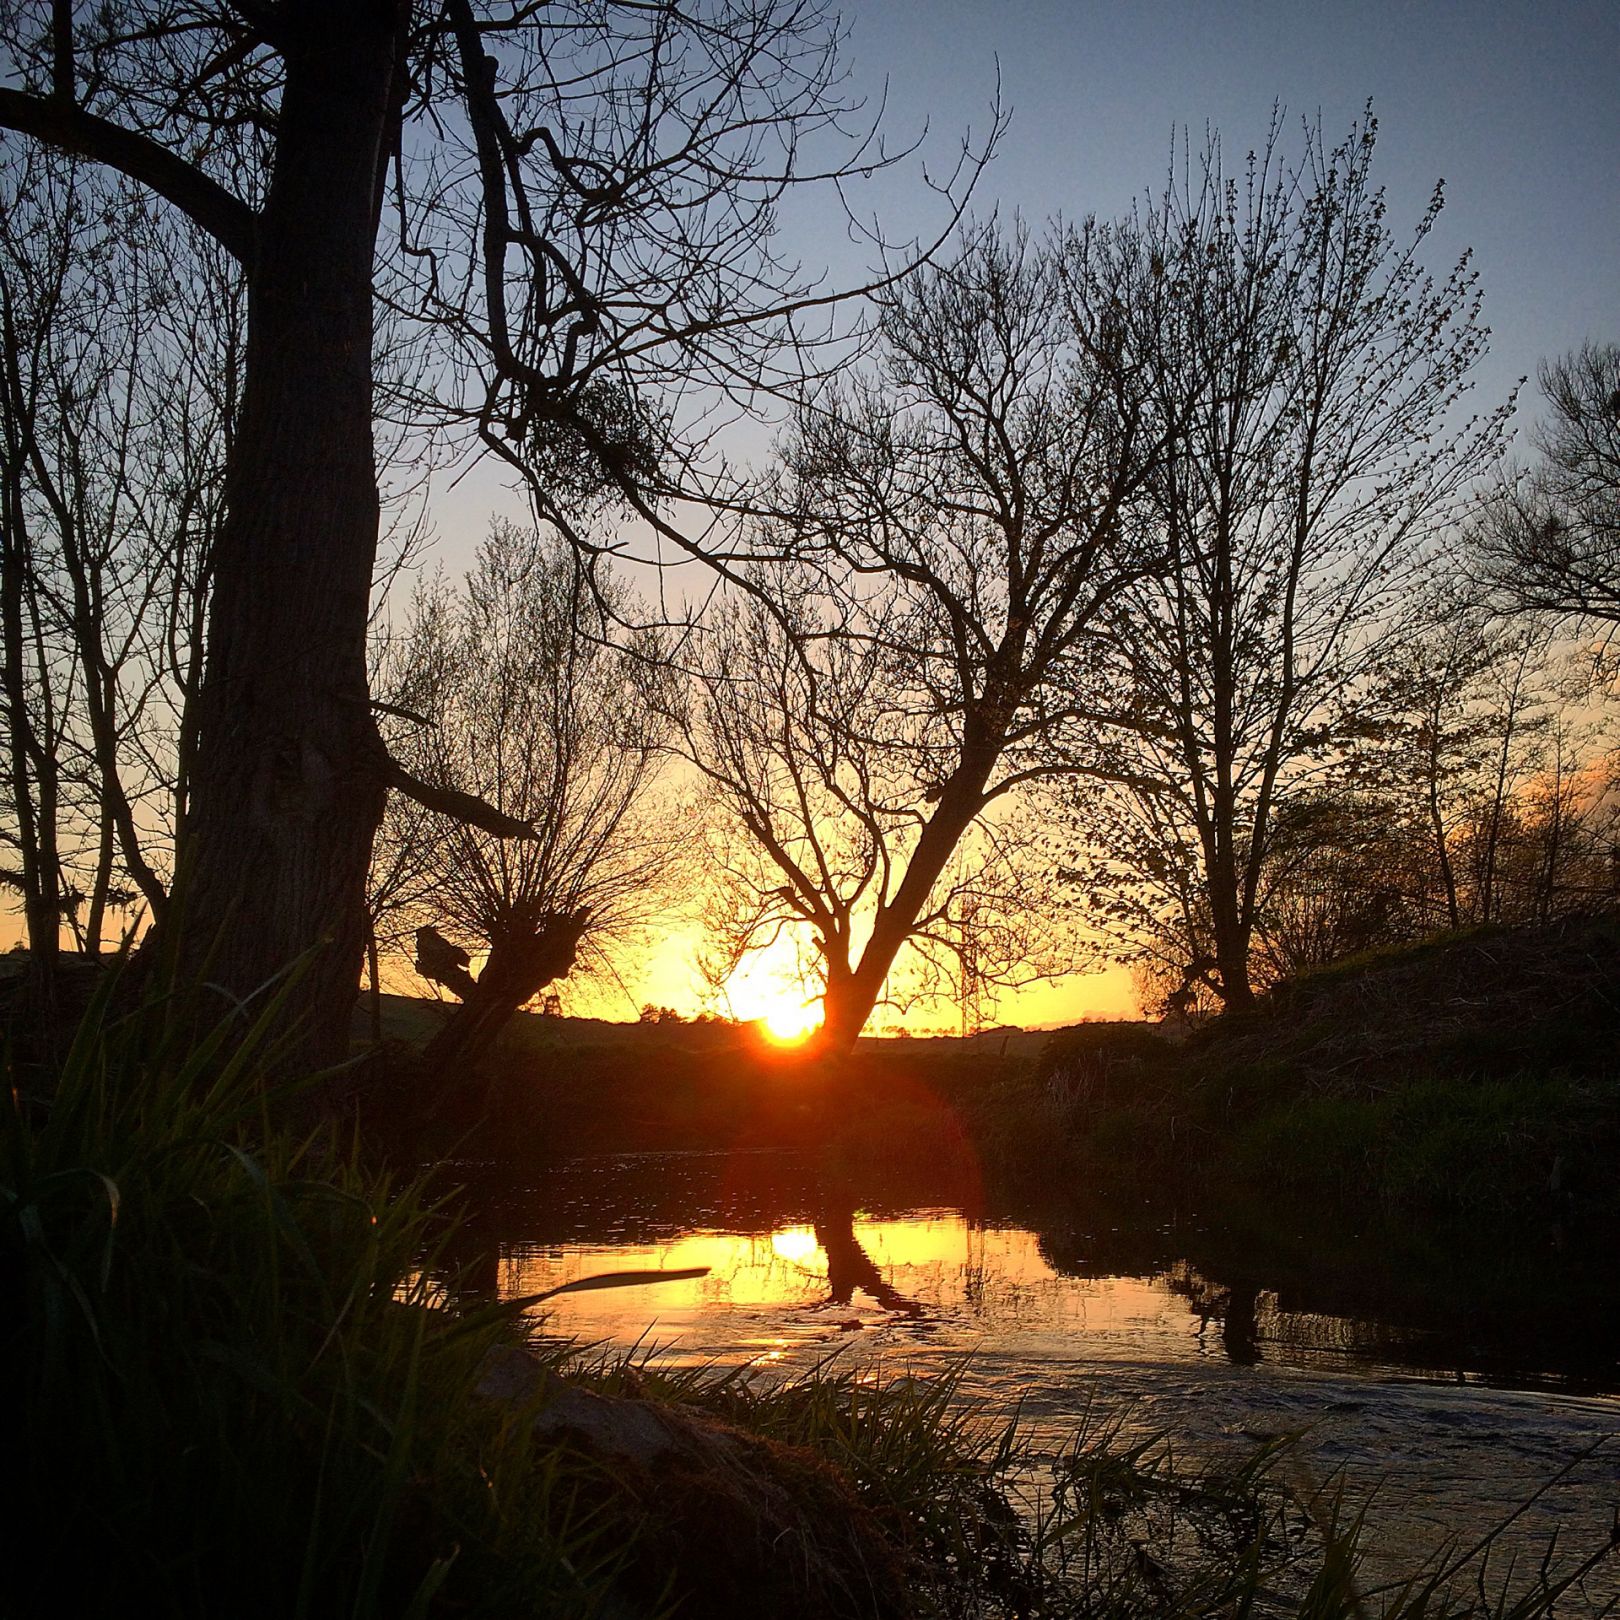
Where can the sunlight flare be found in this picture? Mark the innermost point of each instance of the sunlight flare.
(791, 1023)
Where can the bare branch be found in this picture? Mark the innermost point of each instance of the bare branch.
(71, 129)
(459, 806)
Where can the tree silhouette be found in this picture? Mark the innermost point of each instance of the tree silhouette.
(1549, 540)
(122, 341)
(957, 521)
(514, 699)
(1302, 369)
(580, 201)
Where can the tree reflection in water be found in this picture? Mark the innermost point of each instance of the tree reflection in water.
(788, 1234)
(849, 1266)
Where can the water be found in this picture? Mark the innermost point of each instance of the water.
(1456, 1372)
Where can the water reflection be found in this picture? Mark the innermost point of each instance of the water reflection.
(908, 1285)
(1223, 1328)
(847, 1264)
(802, 1257)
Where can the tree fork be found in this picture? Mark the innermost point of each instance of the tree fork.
(851, 997)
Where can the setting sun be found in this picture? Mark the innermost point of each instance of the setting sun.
(789, 1023)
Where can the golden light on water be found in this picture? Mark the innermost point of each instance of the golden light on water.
(931, 1277)
(796, 1244)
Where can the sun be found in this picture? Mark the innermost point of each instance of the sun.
(771, 991)
(790, 1023)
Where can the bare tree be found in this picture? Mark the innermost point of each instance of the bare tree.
(1549, 539)
(960, 517)
(1431, 729)
(123, 346)
(34, 716)
(1336, 883)
(1303, 370)
(518, 695)
(581, 201)
(1476, 794)
(817, 808)
(1528, 804)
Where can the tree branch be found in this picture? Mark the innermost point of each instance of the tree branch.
(205, 202)
(465, 807)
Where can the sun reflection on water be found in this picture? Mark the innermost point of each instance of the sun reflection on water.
(798, 1244)
(931, 1279)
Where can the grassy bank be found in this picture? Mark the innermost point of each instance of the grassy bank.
(556, 1087)
(1473, 1073)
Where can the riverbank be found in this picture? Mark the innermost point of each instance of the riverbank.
(237, 1383)
(1471, 1076)
(1474, 1074)
(236, 1387)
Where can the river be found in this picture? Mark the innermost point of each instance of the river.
(1447, 1375)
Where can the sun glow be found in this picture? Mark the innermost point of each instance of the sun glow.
(790, 1023)
(771, 991)
(796, 1244)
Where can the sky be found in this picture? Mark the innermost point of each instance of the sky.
(1513, 106)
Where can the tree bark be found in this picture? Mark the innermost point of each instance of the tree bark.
(1231, 930)
(290, 775)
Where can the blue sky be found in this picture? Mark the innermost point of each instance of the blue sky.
(1515, 106)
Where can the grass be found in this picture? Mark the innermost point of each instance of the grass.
(228, 1395)
(1473, 1074)
(232, 1391)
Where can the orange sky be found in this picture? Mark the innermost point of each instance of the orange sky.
(666, 976)
(766, 984)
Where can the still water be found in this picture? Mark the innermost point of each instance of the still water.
(1454, 1372)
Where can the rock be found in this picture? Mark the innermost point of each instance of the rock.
(725, 1523)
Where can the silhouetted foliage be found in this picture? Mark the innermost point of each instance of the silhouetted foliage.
(957, 520)
(119, 371)
(580, 204)
(1549, 539)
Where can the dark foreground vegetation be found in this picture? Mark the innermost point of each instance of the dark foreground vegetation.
(231, 1389)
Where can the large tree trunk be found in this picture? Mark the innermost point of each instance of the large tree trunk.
(290, 773)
